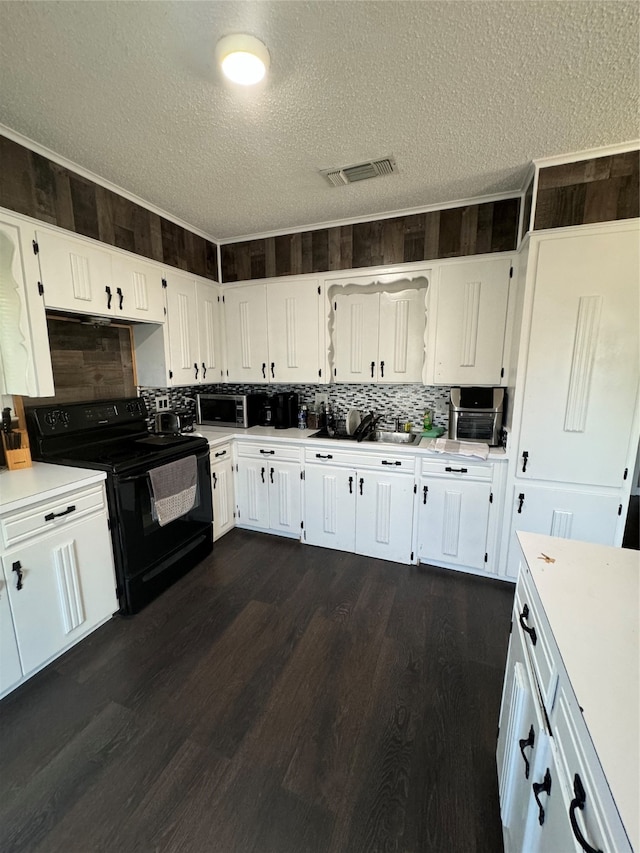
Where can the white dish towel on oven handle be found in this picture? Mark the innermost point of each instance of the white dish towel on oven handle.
(173, 489)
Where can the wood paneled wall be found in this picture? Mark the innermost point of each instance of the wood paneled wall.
(470, 230)
(38, 187)
(599, 190)
(89, 362)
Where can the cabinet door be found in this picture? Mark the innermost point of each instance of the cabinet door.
(356, 337)
(10, 669)
(209, 331)
(589, 516)
(384, 515)
(223, 494)
(139, 294)
(25, 359)
(293, 309)
(182, 323)
(453, 521)
(285, 512)
(401, 336)
(471, 322)
(67, 588)
(245, 317)
(252, 484)
(582, 370)
(76, 275)
(330, 507)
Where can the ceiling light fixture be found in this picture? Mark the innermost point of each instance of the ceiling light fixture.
(244, 59)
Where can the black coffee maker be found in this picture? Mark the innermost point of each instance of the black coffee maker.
(284, 410)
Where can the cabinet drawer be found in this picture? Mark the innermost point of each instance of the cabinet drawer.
(264, 450)
(532, 623)
(361, 460)
(457, 469)
(221, 453)
(598, 821)
(50, 515)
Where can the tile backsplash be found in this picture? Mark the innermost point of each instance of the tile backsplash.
(406, 402)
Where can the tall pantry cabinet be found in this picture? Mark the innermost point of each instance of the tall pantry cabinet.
(575, 428)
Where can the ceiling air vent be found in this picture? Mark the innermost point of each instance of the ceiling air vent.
(359, 171)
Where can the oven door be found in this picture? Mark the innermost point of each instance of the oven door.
(147, 551)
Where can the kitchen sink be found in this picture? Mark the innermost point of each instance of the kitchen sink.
(387, 437)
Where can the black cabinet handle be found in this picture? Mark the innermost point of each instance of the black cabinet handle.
(262, 474)
(520, 501)
(373, 367)
(267, 452)
(384, 462)
(220, 453)
(525, 459)
(578, 802)
(120, 297)
(350, 485)
(530, 631)
(425, 489)
(204, 370)
(382, 369)
(450, 470)
(543, 787)
(273, 365)
(195, 367)
(325, 456)
(524, 744)
(215, 479)
(264, 369)
(107, 290)
(51, 515)
(361, 484)
(271, 475)
(17, 568)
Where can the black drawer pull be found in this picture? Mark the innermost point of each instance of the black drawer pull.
(324, 456)
(107, 290)
(373, 367)
(17, 568)
(120, 297)
(449, 469)
(524, 744)
(273, 366)
(350, 485)
(271, 475)
(525, 459)
(579, 803)
(267, 452)
(51, 515)
(262, 474)
(215, 479)
(384, 462)
(204, 370)
(195, 367)
(264, 370)
(543, 787)
(382, 369)
(220, 453)
(425, 489)
(530, 631)
(520, 501)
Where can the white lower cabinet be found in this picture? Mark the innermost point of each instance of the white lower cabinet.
(10, 669)
(269, 490)
(367, 510)
(58, 578)
(222, 490)
(458, 508)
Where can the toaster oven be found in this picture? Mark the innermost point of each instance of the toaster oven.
(475, 414)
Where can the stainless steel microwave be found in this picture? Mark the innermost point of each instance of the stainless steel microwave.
(232, 410)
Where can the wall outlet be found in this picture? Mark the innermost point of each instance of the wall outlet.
(162, 403)
(322, 398)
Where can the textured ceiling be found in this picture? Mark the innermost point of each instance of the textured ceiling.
(463, 94)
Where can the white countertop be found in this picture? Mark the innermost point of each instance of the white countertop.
(42, 481)
(591, 597)
(217, 435)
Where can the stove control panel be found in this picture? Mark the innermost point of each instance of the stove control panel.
(84, 417)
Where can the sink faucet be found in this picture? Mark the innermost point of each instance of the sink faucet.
(398, 427)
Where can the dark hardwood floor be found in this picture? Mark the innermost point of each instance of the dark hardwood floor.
(280, 699)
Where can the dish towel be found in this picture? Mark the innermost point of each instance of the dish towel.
(460, 448)
(173, 489)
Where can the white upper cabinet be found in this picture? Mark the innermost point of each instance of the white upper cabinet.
(245, 317)
(272, 331)
(25, 361)
(582, 367)
(209, 331)
(182, 325)
(77, 276)
(138, 289)
(293, 313)
(468, 316)
(377, 328)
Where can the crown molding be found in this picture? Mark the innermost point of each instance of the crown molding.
(589, 154)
